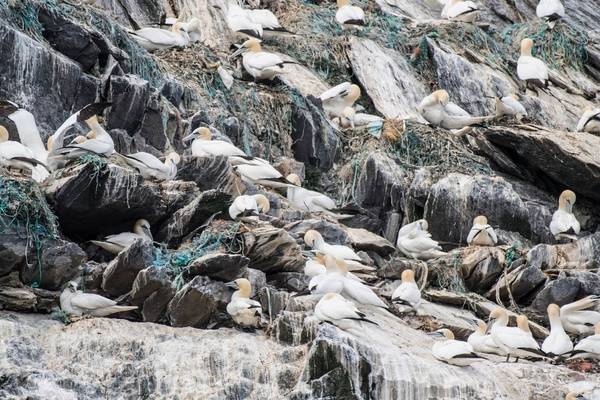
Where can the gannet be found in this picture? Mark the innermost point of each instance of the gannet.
(310, 200)
(314, 239)
(99, 142)
(590, 121)
(481, 233)
(335, 309)
(408, 293)
(203, 145)
(252, 23)
(337, 279)
(192, 27)
(510, 105)
(349, 16)
(153, 39)
(337, 99)
(530, 69)
(453, 351)
(512, 340)
(577, 318)
(316, 266)
(575, 396)
(563, 220)
(15, 155)
(114, 244)
(267, 20)
(558, 342)
(258, 172)
(243, 310)
(151, 167)
(589, 347)
(439, 111)
(415, 241)
(249, 207)
(260, 64)
(482, 342)
(551, 11)
(458, 10)
(75, 302)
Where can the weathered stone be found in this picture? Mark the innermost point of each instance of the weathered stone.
(155, 305)
(523, 282)
(13, 250)
(219, 266)
(583, 253)
(273, 301)
(393, 268)
(90, 274)
(195, 303)
(147, 281)
(141, 12)
(209, 173)
(332, 233)
(481, 267)
(121, 272)
(15, 296)
(272, 250)
(258, 280)
(361, 239)
(561, 291)
(293, 281)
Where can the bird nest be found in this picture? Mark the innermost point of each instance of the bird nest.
(447, 276)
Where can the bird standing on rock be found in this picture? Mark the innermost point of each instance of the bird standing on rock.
(408, 293)
(260, 64)
(564, 223)
(337, 99)
(579, 317)
(335, 309)
(483, 342)
(16, 156)
(244, 311)
(74, 302)
(482, 234)
(530, 69)
(513, 341)
(114, 244)
(349, 16)
(439, 111)
(558, 342)
(153, 39)
(415, 241)
(249, 207)
(510, 105)
(589, 347)
(203, 145)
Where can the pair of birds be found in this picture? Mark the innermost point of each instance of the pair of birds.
(180, 35)
(251, 23)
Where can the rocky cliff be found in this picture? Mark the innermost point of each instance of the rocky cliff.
(58, 56)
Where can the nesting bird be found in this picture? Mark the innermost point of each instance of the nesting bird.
(335, 309)
(74, 302)
(251, 23)
(530, 69)
(260, 64)
(192, 27)
(551, 11)
(249, 207)
(244, 311)
(316, 266)
(349, 16)
(510, 105)
(482, 234)
(203, 145)
(589, 347)
(514, 341)
(579, 317)
(153, 39)
(458, 10)
(589, 121)
(558, 342)
(151, 167)
(564, 222)
(415, 241)
(439, 111)
(453, 351)
(408, 293)
(337, 99)
(256, 171)
(16, 156)
(315, 240)
(114, 244)
(310, 200)
(99, 143)
(483, 342)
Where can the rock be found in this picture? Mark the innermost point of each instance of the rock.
(292, 281)
(152, 290)
(561, 291)
(273, 301)
(13, 250)
(393, 268)
(143, 12)
(185, 220)
(60, 261)
(90, 274)
(195, 303)
(155, 306)
(524, 282)
(361, 239)
(121, 272)
(388, 79)
(219, 266)
(272, 250)
(258, 280)
(481, 267)
(332, 233)
(583, 253)
(590, 282)
(15, 296)
(209, 173)
(289, 166)
(315, 142)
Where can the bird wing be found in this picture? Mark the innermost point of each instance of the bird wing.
(90, 301)
(548, 8)
(327, 283)
(419, 244)
(581, 304)
(265, 18)
(257, 172)
(455, 111)
(361, 293)
(515, 338)
(157, 36)
(452, 348)
(473, 232)
(589, 318)
(216, 148)
(262, 60)
(461, 8)
(96, 146)
(532, 68)
(321, 200)
(514, 105)
(589, 344)
(587, 117)
(335, 92)
(339, 308)
(124, 239)
(408, 228)
(29, 135)
(349, 13)
(563, 221)
(341, 251)
(408, 292)
(242, 204)
(11, 150)
(490, 231)
(147, 159)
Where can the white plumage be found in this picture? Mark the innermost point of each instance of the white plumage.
(589, 347)
(408, 292)
(313, 268)
(203, 145)
(243, 310)
(238, 20)
(337, 99)
(151, 167)
(249, 207)
(75, 302)
(259, 172)
(512, 340)
(349, 16)
(415, 241)
(558, 342)
(263, 65)
(578, 318)
(333, 308)
(100, 143)
(309, 200)
(589, 121)
(482, 342)
(482, 234)
(550, 10)
(457, 10)
(314, 239)
(114, 244)
(439, 111)
(529, 68)
(153, 39)
(453, 351)
(563, 219)
(15, 155)
(509, 105)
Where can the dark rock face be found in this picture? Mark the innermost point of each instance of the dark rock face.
(13, 250)
(152, 290)
(143, 12)
(561, 291)
(219, 266)
(15, 296)
(293, 281)
(122, 271)
(332, 233)
(315, 141)
(195, 303)
(258, 280)
(272, 250)
(208, 173)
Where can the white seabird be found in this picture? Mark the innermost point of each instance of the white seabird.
(203, 145)
(458, 10)
(249, 207)
(551, 11)
(257, 171)
(316, 266)
(453, 351)
(513, 341)
(99, 143)
(337, 99)
(408, 293)
(153, 39)
(251, 23)
(531, 69)
(510, 105)
(310, 200)
(481, 233)
(589, 347)
(114, 244)
(15, 155)
(258, 63)
(439, 111)
(151, 167)
(577, 318)
(589, 121)
(558, 342)
(415, 241)
(243, 310)
(314, 239)
(193, 29)
(564, 221)
(482, 342)
(335, 309)
(75, 302)
(349, 16)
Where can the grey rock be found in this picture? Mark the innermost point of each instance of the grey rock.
(332, 233)
(293, 281)
(121, 272)
(273, 301)
(561, 291)
(90, 274)
(481, 267)
(13, 250)
(196, 303)
(209, 173)
(155, 306)
(361, 239)
(258, 280)
(143, 12)
(589, 282)
(393, 267)
(148, 281)
(272, 250)
(219, 266)
(15, 296)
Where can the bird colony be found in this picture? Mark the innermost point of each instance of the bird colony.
(202, 227)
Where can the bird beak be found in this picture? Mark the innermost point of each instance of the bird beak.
(435, 334)
(149, 233)
(232, 285)
(238, 52)
(217, 7)
(188, 137)
(488, 327)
